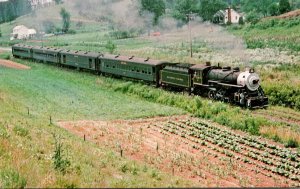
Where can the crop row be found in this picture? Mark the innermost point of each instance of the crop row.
(231, 144)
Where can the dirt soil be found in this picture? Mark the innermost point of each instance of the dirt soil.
(168, 144)
(14, 65)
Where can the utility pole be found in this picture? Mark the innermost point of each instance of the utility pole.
(190, 17)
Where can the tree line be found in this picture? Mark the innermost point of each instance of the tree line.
(207, 8)
(10, 10)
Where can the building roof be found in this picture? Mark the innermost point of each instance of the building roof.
(133, 59)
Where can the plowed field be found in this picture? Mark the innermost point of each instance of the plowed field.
(206, 153)
(14, 65)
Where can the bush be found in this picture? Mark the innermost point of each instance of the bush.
(9, 178)
(291, 143)
(49, 26)
(21, 131)
(110, 46)
(71, 31)
(60, 162)
(241, 21)
(3, 132)
(252, 17)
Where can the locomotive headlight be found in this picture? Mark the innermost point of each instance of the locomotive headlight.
(249, 79)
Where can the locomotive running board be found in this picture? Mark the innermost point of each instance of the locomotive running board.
(224, 84)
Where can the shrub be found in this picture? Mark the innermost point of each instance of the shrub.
(3, 132)
(110, 46)
(21, 131)
(60, 162)
(10, 178)
(48, 26)
(291, 143)
(241, 21)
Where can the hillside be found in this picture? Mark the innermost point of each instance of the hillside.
(280, 32)
(61, 127)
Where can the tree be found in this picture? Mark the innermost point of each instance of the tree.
(157, 7)
(252, 17)
(66, 17)
(209, 7)
(184, 7)
(257, 6)
(241, 21)
(110, 46)
(284, 6)
(57, 2)
(274, 9)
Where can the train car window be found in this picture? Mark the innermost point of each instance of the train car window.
(90, 63)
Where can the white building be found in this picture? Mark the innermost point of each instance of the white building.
(40, 3)
(22, 32)
(228, 15)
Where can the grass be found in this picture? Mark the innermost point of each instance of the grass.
(271, 33)
(27, 145)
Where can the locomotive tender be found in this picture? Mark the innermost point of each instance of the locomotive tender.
(218, 83)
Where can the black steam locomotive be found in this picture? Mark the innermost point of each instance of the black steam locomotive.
(218, 83)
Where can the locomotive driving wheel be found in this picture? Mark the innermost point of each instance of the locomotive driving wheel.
(212, 94)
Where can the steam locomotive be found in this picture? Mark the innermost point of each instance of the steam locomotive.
(217, 83)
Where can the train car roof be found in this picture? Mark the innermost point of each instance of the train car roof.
(51, 49)
(81, 53)
(22, 46)
(134, 59)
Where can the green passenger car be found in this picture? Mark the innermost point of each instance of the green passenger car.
(177, 75)
(80, 59)
(46, 54)
(22, 51)
(131, 67)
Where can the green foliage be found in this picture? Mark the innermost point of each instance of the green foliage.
(66, 17)
(48, 26)
(124, 34)
(291, 143)
(58, 2)
(21, 131)
(209, 7)
(258, 6)
(284, 95)
(268, 33)
(60, 162)
(3, 132)
(284, 6)
(241, 21)
(184, 7)
(252, 17)
(110, 46)
(0, 33)
(273, 9)
(157, 7)
(10, 10)
(10, 178)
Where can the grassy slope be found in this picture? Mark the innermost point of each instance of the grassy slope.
(51, 91)
(27, 142)
(272, 33)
